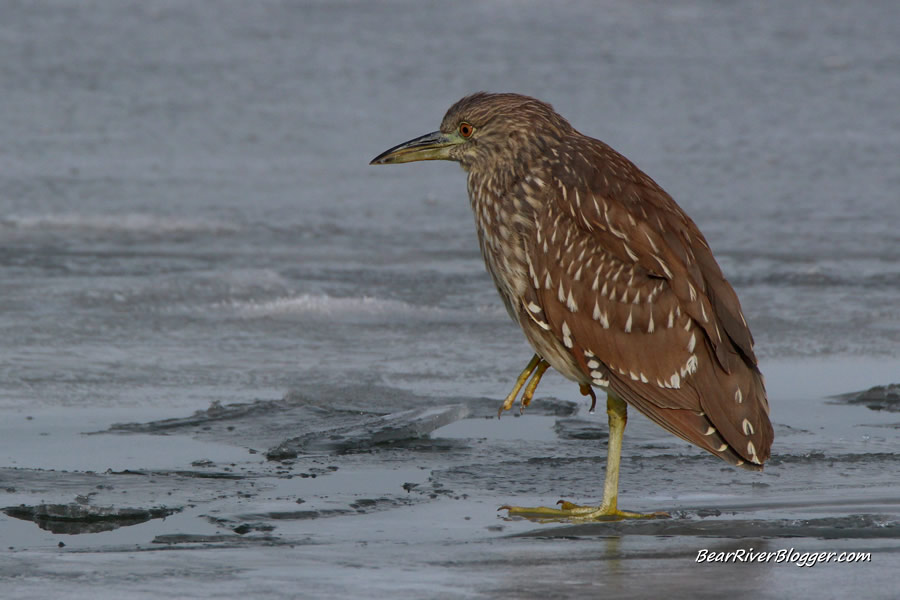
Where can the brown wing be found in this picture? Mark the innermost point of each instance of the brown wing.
(629, 285)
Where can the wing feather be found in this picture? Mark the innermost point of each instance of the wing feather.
(649, 308)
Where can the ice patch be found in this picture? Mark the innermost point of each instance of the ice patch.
(406, 425)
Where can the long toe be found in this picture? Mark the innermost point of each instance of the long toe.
(569, 511)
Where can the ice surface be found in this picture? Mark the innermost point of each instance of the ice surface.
(192, 244)
(328, 306)
(147, 224)
(396, 427)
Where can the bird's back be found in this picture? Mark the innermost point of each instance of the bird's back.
(614, 284)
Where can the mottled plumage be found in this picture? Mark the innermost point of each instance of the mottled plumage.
(610, 280)
(612, 283)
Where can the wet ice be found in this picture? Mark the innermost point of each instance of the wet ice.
(192, 245)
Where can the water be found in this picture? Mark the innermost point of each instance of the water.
(187, 216)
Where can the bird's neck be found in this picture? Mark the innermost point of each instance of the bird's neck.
(505, 200)
(504, 177)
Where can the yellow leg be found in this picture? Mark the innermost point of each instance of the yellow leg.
(542, 367)
(536, 362)
(608, 510)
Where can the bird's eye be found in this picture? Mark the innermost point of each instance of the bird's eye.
(466, 129)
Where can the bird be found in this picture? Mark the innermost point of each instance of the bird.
(613, 285)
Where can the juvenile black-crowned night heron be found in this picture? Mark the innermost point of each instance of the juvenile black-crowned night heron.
(612, 283)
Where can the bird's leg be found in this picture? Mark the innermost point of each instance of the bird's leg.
(528, 394)
(523, 377)
(608, 510)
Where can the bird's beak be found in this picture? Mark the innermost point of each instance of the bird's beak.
(431, 146)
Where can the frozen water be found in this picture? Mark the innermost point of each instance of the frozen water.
(188, 220)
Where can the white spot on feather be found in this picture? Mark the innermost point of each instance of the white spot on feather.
(675, 381)
(664, 266)
(567, 335)
(600, 315)
(691, 365)
(650, 239)
(751, 450)
(619, 234)
(570, 303)
(747, 426)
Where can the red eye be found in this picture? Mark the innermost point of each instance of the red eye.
(465, 129)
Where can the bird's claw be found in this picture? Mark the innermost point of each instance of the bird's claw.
(507, 404)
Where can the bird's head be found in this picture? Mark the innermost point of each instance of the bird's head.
(485, 130)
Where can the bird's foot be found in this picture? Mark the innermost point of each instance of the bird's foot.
(508, 403)
(569, 511)
(528, 394)
(535, 370)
